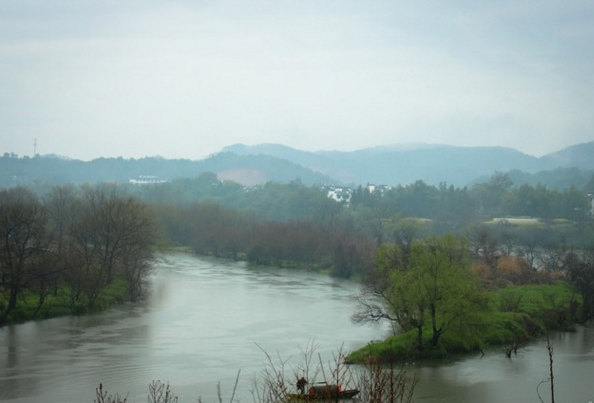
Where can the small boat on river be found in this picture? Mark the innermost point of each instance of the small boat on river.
(324, 392)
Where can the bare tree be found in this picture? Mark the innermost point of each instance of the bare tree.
(104, 397)
(371, 380)
(278, 382)
(23, 243)
(115, 234)
(386, 384)
(160, 392)
(580, 269)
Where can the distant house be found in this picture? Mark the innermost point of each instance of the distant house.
(147, 180)
(591, 197)
(344, 194)
(340, 194)
(381, 189)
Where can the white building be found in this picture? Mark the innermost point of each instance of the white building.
(147, 180)
(342, 195)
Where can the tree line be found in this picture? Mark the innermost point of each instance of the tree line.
(69, 248)
(293, 224)
(76, 242)
(444, 208)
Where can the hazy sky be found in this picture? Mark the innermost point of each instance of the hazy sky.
(182, 79)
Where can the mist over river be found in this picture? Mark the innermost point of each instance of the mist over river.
(206, 319)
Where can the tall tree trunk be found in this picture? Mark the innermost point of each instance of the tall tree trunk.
(12, 303)
(436, 331)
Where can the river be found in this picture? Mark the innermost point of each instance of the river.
(207, 319)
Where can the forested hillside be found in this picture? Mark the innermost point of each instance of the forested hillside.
(49, 171)
(257, 165)
(433, 164)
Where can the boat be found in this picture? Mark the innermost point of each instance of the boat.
(324, 392)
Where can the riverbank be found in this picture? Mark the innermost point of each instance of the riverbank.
(197, 327)
(518, 315)
(61, 302)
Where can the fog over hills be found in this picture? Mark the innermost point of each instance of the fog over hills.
(434, 164)
(257, 164)
(577, 156)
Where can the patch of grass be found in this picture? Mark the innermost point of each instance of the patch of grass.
(399, 347)
(114, 293)
(550, 306)
(403, 348)
(518, 314)
(60, 304)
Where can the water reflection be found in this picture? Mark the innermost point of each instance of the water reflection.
(495, 378)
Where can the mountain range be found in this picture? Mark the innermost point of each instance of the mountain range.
(433, 164)
(257, 164)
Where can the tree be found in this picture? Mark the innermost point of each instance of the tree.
(580, 269)
(375, 303)
(139, 239)
(23, 244)
(114, 234)
(420, 200)
(531, 242)
(434, 289)
(491, 194)
(447, 285)
(455, 205)
(484, 246)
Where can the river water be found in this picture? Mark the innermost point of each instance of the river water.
(207, 319)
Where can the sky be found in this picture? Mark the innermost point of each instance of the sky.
(185, 78)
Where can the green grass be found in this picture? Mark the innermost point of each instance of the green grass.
(549, 306)
(517, 315)
(60, 304)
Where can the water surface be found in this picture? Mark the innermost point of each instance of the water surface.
(206, 319)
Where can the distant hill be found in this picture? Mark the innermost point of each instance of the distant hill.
(250, 165)
(578, 156)
(433, 164)
(245, 169)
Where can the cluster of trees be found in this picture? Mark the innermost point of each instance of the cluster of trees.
(448, 208)
(292, 224)
(275, 224)
(71, 244)
(511, 254)
(496, 197)
(420, 279)
(439, 286)
(81, 239)
(211, 229)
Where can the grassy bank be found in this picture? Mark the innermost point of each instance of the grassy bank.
(59, 302)
(517, 315)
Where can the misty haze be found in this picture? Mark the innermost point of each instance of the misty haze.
(296, 201)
